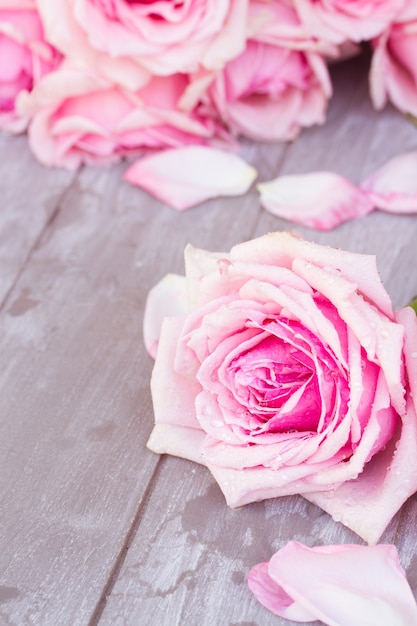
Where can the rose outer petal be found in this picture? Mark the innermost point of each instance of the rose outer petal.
(339, 585)
(184, 177)
(367, 504)
(166, 299)
(281, 248)
(321, 200)
(173, 394)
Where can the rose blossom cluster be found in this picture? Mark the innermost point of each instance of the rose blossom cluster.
(95, 80)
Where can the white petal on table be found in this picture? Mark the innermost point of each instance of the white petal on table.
(321, 200)
(184, 177)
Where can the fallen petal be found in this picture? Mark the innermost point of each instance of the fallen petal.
(393, 187)
(340, 585)
(273, 596)
(166, 299)
(321, 200)
(184, 177)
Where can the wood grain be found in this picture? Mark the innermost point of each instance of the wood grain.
(95, 528)
(30, 196)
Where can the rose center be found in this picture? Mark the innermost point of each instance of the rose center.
(277, 384)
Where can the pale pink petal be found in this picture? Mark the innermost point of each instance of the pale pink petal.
(339, 585)
(393, 187)
(282, 248)
(167, 298)
(173, 394)
(186, 176)
(391, 477)
(180, 441)
(321, 200)
(273, 596)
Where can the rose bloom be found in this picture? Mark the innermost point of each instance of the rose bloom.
(286, 376)
(393, 73)
(26, 57)
(78, 117)
(122, 38)
(340, 20)
(278, 85)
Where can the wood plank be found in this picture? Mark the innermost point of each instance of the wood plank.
(74, 394)
(189, 560)
(30, 194)
(190, 554)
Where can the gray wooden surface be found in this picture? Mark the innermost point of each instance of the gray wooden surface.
(95, 529)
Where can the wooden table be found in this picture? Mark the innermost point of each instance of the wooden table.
(95, 529)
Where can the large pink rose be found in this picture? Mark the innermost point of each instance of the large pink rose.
(394, 64)
(78, 117)
(25, 57)
(286, 376)
(278, 85)
(340, 20)
(123, 37)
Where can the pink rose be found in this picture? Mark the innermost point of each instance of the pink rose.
(276, 86)
(340, 20)
(25, 58)
(122, 39)
(286, 376)
(78, 117)
(394, 64)
(339, 585)
(269, 93)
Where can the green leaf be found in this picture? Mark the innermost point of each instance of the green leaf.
(413, 304)
(412, 119)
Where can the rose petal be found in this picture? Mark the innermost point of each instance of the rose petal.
(321, 200)
(273, 597)
(339, 585)
(179, 441)
(282, 249)
(187, 176)
(387, 482)
(393, 187)
(167, 298)
(173, 393)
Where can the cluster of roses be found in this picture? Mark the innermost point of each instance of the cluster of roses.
(94, 80)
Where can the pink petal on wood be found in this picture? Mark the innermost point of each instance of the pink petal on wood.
(186, 176)
(321, 200)
(339, 585)
(393, 187)
(166, 298)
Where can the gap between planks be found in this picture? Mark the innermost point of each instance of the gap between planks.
(130, 536)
